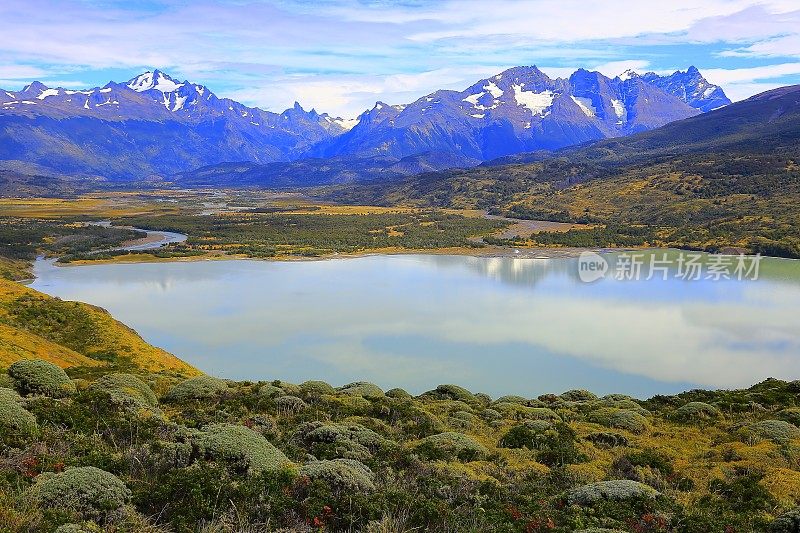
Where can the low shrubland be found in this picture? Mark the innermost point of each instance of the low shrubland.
(142, 451)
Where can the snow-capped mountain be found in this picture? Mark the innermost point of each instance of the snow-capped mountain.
(155, 124)
(521, 109)
(150, 124)
(691, 87)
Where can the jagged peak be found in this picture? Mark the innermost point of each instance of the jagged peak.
(154, 79)
(629, 74)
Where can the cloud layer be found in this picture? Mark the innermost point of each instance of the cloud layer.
(341, 56)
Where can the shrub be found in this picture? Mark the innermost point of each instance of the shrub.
(451, 392)
(270, 391)
(398, 393)
(490, 414)
(619, 418)
(349, 441)
(449, 446)
(341, 474)
(788, 522)
(791, 415)
(197, 388)
(530, 434)
(316, 388)
(288, 388)
(15, 420)
(88, 491)
(778, 431)
(126, 390)
(577, 395)
(630, 405)
(35, 376)
(541, 413)
(512, 398)
(616, 490)
(6, 381)
(696, 412)
(363, 389)
(290, 404)
(240, 447)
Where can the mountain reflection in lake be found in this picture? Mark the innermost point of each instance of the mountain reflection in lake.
(497, 325)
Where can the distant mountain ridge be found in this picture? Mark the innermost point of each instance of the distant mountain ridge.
(520, 109)
(155, 125)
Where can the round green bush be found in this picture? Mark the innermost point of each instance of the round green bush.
(15, 420)
(316, 388)
(790, 414)
(35, 376)
(530, 434)
(347, 441)
(630, 405)
(290, 404)
(778, 431)
(240, 447)
(270, 391)
(512, 398)
(619, 418)
(615, 490)
(126, 390)
(490, 414)
(696, 412)
(451, 392)
(341, 474)
(197, 388)
(363, 389)
(92, 493)
(451, 446)
(577, 395)
(399, 394)
(286, 387)
(788, 522)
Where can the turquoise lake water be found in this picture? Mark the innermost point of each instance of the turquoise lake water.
(496, 325)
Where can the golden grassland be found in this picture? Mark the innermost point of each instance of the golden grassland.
(107, 340)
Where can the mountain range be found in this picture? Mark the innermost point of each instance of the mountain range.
(154, 126)
(726, 178)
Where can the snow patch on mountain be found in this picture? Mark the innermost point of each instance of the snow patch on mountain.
(538, 103)
(586, 105)
(47, 92)
(619, 110)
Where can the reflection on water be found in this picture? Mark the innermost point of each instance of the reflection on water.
(499, 325)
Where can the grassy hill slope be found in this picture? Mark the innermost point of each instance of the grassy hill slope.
(72, 334)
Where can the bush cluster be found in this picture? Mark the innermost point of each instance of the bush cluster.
(240, 448)
(451, 446)
(197, 388)
(127, 390)
(90, 492)
(36, 376)
(615, 490)
(341, 474)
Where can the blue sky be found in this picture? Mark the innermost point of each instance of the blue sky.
(341, 56)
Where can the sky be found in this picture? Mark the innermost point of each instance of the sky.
(341, 56)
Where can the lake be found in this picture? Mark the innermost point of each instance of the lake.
(494, 325)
